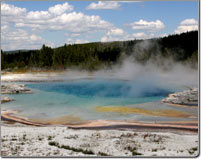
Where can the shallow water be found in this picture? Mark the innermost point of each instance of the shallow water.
(79, 98)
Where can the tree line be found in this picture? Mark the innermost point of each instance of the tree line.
(91, 56)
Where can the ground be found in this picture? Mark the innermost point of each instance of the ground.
(62, 141)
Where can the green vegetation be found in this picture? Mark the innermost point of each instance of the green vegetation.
(93, 56)
(134, 151)
(192, 150)
(102, 154)
(154, 150)
(49, 138)
(24, 137)
(53, 143)
(40, 139)
(89, 152)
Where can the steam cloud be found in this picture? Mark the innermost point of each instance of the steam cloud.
(157, 73)
(160, 72)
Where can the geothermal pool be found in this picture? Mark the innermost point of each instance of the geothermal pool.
(84, 99)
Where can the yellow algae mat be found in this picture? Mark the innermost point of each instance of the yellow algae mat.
(61, 120)
(131, 110)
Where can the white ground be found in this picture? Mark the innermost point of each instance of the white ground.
(44, 76)
(34, 141)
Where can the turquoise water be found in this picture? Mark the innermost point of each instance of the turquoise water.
(80, 97)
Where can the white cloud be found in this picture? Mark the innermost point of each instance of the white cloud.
(4, 27)
(58, 17)
(76, 41)
(163, 35)
(103, 5)
(104, 39)
(112, 5)
(9, 10)
(189, 22)
(34, 37)
(79, 22)
(81, 41)
(38, 15)
(14, 39)
(129, 1)
(110, 38)
(142, 35)
(74, 35)
(187, 25)
(55, 19)
(77, 26)
(150, 26)
(115, 32)
(59, 9)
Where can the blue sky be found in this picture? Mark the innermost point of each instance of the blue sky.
(28, 25)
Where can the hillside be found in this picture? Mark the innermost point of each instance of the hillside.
(91, 56)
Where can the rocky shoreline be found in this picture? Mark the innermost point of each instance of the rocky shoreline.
(5, 99)
(14, 89)
(186, 98)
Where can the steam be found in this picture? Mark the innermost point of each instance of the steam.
(178, 74)
(157, 71)
(138, 80)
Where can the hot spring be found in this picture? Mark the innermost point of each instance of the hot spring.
(86, 99)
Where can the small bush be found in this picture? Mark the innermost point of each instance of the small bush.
(102, 154)
(192, 150)
(53, 143)
(154, 150)
(134, 151)
(49, 138)
(24, 137)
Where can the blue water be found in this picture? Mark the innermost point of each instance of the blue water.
(103, 88)
(80, 97)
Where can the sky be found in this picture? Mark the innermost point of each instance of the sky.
(30, 24)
